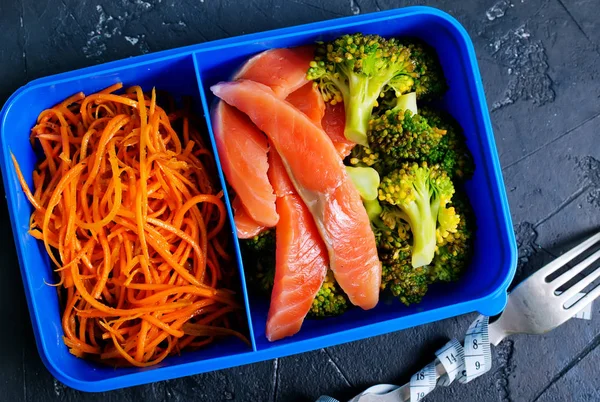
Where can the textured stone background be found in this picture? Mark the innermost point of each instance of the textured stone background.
(540, 63)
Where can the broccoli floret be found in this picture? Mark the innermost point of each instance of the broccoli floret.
(453, 255)
(452, 152)
(259, 252)
(418, 191)
(261, 243)
(394, 239)
(407, 283)
(363, 156)
(399, 134)
(448, 221)
(393, 236)
(429, 82)
(357, 69)
(330, 299)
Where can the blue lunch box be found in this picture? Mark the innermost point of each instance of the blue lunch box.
(191, 71)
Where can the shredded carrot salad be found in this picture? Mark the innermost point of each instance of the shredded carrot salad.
(125, 204)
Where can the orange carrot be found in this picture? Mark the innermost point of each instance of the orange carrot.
(126, 207)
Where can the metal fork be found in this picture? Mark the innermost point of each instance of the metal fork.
(535, 306)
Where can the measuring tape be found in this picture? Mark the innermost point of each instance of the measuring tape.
(462, 362)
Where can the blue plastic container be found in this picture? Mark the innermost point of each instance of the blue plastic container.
(191, 71)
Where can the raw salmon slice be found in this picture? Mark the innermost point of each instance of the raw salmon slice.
(320, 178)
(278, 176)
(304, 147)
(334, 121)
(348, 227)
(245, 226)
(301, 258)
(283, 70)
(309, 101)
(243, 151)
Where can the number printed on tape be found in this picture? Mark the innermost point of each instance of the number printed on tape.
(452, 357)
(422, 382)
(462, 363)
(478, 356)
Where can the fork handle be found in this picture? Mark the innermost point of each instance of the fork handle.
(496, 332)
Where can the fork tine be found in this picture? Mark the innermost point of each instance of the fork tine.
(571, 273)
(585, 282)
(568, 256)
(585, 300)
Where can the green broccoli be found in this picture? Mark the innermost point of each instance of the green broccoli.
(366, 180)
(259, 251)
(394, 245)
(452, 152)
(407, 283)
(399, 134)
(448, 221)
(390, 101)
(356, 69)
(330, 299)
(374, 210)
(363, 156)
(429, 82)
(261, 243)
(393, 234)
(419, 192)
(454, 252)
(394, 237)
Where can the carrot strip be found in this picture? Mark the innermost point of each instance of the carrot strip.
(160, 324)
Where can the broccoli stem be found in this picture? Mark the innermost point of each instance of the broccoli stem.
(422, 226)
(373, 208)
(357, 122)
(366, 180)
(407, 102)
(422, 218)
(358, 103)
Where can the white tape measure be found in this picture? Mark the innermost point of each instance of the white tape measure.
(462, 363)
(477, 351)
(453, 362)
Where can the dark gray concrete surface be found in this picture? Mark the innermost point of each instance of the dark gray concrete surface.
(540, 63)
